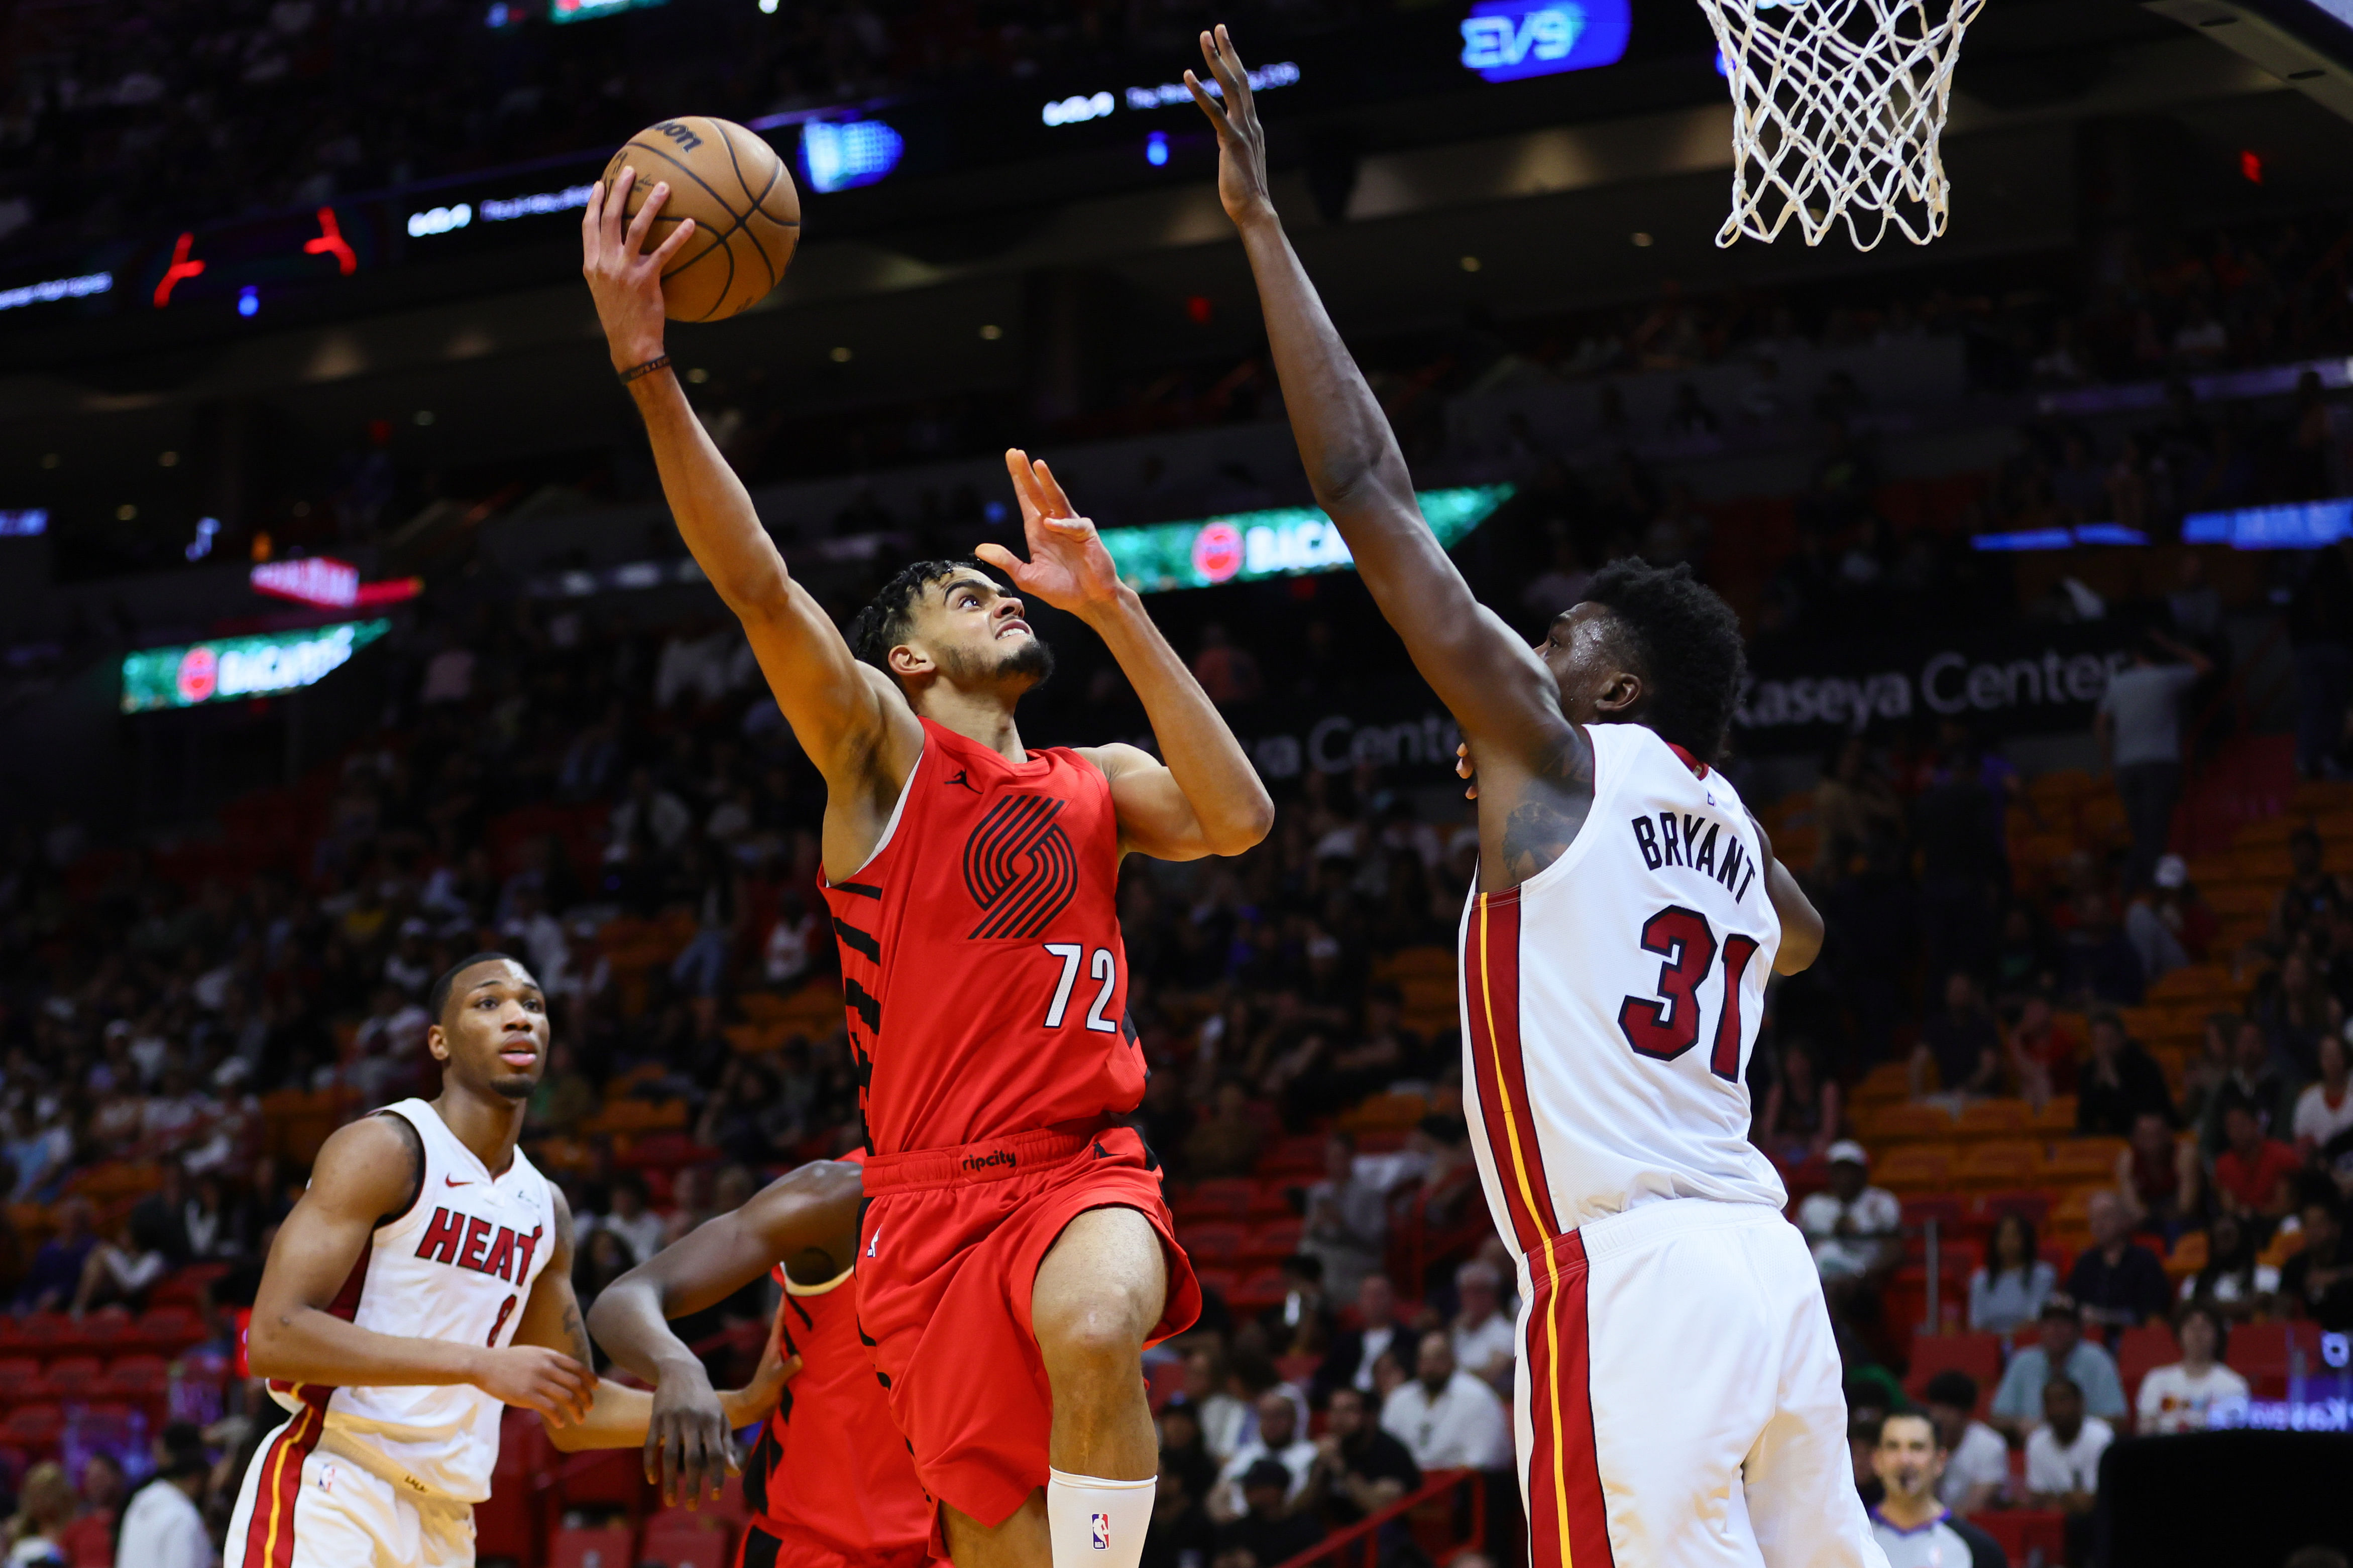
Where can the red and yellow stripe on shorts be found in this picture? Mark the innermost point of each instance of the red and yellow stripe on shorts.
(1568, 1523)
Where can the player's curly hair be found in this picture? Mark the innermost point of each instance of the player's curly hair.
(890, 616)
(1684, 642)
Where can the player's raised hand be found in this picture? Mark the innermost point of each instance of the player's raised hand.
(533, 1377)
(1068, 565)
(690, 1447)
(1242, 143)
(624, 278)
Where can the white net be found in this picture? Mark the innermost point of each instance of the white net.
(1837, 109)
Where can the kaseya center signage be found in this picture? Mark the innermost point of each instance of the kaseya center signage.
(234, 667)
(2001, 681)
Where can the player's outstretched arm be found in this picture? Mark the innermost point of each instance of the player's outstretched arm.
(1204, 798)
(1495, 687)
(809, 1216)
(1802, 924)
(617, 1416)
(847, 716)
(366, 1173)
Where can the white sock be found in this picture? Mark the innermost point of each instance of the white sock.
(1096, 1523)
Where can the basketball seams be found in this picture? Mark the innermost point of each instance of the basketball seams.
(784, 231)
(757, 249)
(719, 241)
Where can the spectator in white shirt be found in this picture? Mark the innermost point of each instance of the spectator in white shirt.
(2325, 1109)
(2063, 1460)
(162, 1527)
(1353, 1353)
(2181, 1397)
(1347, 1219)
(1225, 1420)
(1853, 1227)
(1977, 1468)
(1481, 1337)
(1279, 1438)
(651, 810)
(1448, 1419)
(632, 1220)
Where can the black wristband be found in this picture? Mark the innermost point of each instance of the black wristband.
(636, 372)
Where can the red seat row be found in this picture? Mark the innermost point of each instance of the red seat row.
(162, 1328)
(137, 1378)
(1222, 1243)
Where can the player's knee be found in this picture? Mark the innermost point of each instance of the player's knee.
(1097, 1333)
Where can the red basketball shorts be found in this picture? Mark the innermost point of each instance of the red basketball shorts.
(948, 1251)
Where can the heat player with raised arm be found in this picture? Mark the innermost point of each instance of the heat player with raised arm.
(422, 1284)
(830, 1482)
(1678, 1400)
(1016, 1255)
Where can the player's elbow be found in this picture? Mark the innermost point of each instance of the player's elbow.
(1799, 949)
(1247, 826)
(265, 1349)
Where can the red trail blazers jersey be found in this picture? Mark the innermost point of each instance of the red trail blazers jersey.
(830, 1479)
(981, 969)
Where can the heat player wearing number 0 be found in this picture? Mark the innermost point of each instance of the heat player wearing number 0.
(422, 1283)
(1679, 1399)
(1015, 1256)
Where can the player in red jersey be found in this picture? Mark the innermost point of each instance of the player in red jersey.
(830, 1481)
(1016, 1253)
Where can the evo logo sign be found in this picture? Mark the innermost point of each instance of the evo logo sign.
(1506, 40)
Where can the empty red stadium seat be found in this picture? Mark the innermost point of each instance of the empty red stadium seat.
(1222, 1280)
(142, 1380)
(1227, 1198)
(1272, 1241)
(2032, 1205)
(34, 1427)
(613, 1477)
(20, 1381)
(1262, 1288)
(2141, 1350)
(1920, 1208)
(1211, 1243)
(613, 1547)
(74, 1377)
(2022, 1531)
(1271, 1197)
(1165, 1380)
(2267, 1349)
(169, 1328)
(1978, 1354)
(684, 1538)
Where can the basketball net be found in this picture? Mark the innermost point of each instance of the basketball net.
(1837, 109)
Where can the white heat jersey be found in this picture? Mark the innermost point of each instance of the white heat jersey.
(458, 1266)
(1610, 1001)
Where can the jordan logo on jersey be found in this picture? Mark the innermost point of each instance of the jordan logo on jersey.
(469, 1241)
(1019, 866)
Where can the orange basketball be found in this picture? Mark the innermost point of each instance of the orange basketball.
(746, 213)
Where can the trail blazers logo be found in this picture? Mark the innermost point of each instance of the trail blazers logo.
(1019, 866)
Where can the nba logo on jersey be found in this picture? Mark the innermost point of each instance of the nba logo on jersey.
(1102, 1525)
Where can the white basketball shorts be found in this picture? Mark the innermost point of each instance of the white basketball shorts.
(308, 1503)
(1679, 1403)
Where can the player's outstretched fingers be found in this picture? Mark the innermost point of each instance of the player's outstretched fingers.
(617, 203)
(1058, 504)
(642, 225)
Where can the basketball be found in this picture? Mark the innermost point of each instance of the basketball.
(746, 213)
